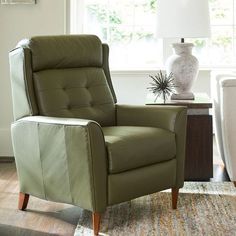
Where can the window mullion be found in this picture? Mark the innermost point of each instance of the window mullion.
(234, 34)
(77, 16)
(108, 26)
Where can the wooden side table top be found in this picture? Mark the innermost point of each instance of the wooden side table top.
(201, 101)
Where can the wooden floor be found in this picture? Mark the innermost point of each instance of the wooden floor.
(41, 218)
(47, 218)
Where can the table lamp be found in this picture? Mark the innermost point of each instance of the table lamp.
(183, 19)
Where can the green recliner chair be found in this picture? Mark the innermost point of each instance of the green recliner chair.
(73, 143)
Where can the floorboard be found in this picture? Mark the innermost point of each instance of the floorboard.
(41, 218)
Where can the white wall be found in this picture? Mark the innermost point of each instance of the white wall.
(18, 22)
(131, 87)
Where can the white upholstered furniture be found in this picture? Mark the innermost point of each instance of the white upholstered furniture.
(223, 87)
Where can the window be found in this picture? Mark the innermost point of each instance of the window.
(220, 50)
(129, 26)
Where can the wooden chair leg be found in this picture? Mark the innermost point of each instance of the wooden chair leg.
(96, 223)
(23, 201)
(175, 193)
(234, 183)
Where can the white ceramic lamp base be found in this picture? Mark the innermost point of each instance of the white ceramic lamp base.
(184, 67)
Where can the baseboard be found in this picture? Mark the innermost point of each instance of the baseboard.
(6, 159)
(5, 143)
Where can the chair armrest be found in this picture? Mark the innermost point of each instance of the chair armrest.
(172, 118)
(62, 160)
(216, 84)
(222, 93)
(227, 123)
(164, 117)
(228, 81)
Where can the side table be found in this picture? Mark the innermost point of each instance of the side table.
(199, 143)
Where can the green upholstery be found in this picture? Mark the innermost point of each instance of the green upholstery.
(79, 85)
(72, 142)
(87, 97)
(141, 181)
(61, 52)
(55, 162)
(172, 118)
(142, 146)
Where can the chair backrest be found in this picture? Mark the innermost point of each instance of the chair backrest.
(62, 76)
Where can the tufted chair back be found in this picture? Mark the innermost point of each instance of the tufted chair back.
(63, 76)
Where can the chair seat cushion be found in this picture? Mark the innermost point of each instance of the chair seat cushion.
(131, 147)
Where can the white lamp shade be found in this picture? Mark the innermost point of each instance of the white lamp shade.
(183, 19)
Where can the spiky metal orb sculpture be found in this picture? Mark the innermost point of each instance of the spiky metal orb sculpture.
(162, 85)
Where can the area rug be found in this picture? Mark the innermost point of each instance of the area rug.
(203, 209)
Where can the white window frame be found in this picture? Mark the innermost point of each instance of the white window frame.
(232, 66)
